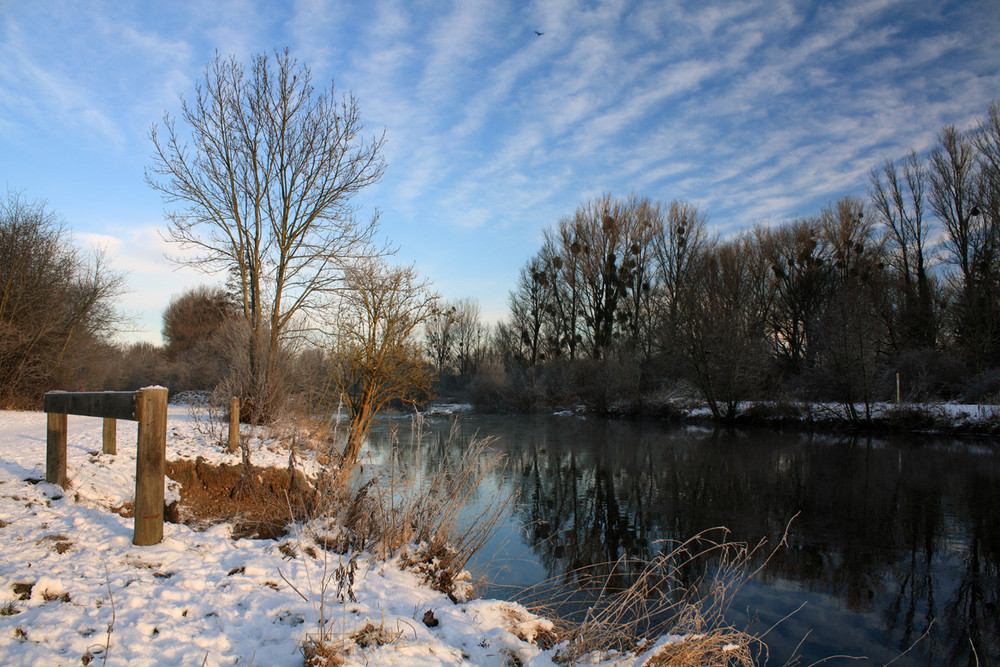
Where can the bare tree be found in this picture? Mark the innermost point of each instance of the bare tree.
(559, 260)
(439, 335)
(722, 311)
(264, 180)
(377, 356)
(800, 281)
(469, 336)
(854, 333)
(972, 241)
(682, 238)
(899, 205)
(529, 320)
(56, 304)
(615, 238)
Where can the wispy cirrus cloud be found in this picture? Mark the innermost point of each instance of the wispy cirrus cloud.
(757, 111)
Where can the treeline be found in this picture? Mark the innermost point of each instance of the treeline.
(628, 304)
(630, 300)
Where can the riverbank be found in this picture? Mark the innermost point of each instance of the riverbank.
(73, 589)
(932, 418)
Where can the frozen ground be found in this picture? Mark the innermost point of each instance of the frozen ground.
(200, 597)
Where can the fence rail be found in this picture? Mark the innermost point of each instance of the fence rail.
(148, 407)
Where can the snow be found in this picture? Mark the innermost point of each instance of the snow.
(201, 597)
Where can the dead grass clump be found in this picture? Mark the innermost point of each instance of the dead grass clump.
(433, 523)
(22, 590)
(685, 590)
(324, 651)
(447, 514)
(50, 596)
(374, 636)
(318, 653)
(58, 543)
(714, 648)
(530, 628)
(436, 567)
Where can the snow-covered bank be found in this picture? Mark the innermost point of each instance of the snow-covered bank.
(939, 418)
(73, 588)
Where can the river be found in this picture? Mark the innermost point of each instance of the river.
(893, 551)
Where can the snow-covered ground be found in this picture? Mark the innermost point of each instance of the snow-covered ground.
(201, 597)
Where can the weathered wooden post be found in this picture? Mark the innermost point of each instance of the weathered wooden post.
(150, 464)
(146, 406)
(234, 424)
(110, 440)
(55, 449)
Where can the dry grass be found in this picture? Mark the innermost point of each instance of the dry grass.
(714, 648)
(434, 523)
(685, 591)
(324, 651)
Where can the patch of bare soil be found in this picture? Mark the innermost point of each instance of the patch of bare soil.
(259, 502)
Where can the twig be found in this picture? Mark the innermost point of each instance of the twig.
(839, 657)
(975, 654)
(792, 656)
(782, 620)
(111, 626)
(917, 641)
(285, 579)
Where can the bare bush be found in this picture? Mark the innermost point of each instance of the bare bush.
(56, 305)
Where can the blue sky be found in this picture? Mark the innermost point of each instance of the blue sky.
(757, 111)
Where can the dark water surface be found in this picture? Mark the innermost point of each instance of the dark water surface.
(896, 540)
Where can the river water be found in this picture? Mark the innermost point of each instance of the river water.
(893, 552)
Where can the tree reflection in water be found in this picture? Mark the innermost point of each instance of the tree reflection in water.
(899, 533)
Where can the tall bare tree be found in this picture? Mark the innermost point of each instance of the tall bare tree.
(898, 201)
(722, 311)
(800, 280)
(529, 320)
(682, 238)
(615, 236)
(439, 335)
(972, 242)
(854, 335)
(469, 336)
(264, 179)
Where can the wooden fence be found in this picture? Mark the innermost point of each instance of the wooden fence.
(146, 406)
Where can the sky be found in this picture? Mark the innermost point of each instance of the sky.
(757, 111)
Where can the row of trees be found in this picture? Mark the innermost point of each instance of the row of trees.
(625, 297)
(828, 306)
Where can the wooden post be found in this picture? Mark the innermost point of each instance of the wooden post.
(897, 388)
(55, 449)
(110, 436)
(234, 424)
(150, 465)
